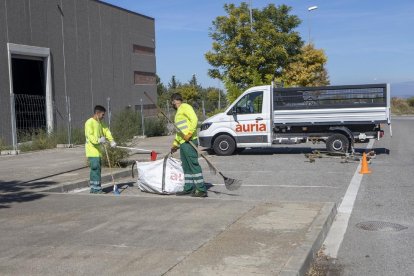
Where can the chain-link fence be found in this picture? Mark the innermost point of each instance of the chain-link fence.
(30, 120)
(30, 115)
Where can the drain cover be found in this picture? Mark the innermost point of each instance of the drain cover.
(380, 226)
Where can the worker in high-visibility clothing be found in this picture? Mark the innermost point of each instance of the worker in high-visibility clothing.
(96, 134)
(186, 120)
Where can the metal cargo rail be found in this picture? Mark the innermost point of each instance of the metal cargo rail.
(369, 103)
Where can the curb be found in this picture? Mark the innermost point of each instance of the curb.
(79, 184)
(301, 259)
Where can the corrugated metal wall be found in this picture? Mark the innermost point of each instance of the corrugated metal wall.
(91, 46)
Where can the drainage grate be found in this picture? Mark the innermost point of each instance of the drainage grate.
(380, 226)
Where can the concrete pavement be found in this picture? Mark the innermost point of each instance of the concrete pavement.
(46, 233)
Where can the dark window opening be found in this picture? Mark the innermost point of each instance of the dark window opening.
(138, 49)
(145, 78)
(28, 78)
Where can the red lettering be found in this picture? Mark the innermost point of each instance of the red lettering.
(251, 127)
(262, 127)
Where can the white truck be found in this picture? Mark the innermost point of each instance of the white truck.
(265, 116)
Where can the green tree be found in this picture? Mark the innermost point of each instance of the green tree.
(243, 54)
(173, 84)
(161, 89)
(189, 93)
(308, 69)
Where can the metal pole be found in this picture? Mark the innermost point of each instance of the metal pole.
(13, 121)
(204, 111)
(108, 101)
(142, 120)
(69, 120)
(309, 28)
(251, 16)
(309, 22)
(168, 110)
(219, 96)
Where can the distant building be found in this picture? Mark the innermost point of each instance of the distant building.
(64, 57)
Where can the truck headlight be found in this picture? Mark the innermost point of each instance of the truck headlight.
(205, 126)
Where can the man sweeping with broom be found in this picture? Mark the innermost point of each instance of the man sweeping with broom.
(96, 134)
(186, 121)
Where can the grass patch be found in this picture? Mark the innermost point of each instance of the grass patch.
(4, 146)
(41, 140)
(401, 106)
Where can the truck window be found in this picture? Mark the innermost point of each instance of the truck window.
(250, 104)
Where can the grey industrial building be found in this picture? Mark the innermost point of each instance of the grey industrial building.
(59, 58)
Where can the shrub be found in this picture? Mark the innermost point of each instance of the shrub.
(3, 145)
(125, 125)
(410, 101)
(37, 140)
(117, 157)
(77, 137)
(155, 127)
(400, 106)
(215, 111)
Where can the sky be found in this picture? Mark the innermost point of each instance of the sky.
(366, 41)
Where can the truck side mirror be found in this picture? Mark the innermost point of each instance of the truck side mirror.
(233, 111)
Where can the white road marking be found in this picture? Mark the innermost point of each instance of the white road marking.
(87, 188)
(337, 232)
(280, 186)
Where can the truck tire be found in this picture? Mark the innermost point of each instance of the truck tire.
(337, 143)
(224, 145)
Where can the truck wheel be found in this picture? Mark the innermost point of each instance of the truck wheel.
(337, 143)
(224, 145)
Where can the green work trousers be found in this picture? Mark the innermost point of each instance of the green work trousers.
(193, 175)
(95, 174)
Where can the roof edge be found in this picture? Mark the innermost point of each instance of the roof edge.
(122, 9)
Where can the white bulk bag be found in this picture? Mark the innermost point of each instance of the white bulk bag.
(163, 176)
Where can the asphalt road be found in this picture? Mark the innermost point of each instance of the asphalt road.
(284, 174)
(387, 195)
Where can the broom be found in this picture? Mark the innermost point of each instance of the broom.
(230, 183)
(116, 191)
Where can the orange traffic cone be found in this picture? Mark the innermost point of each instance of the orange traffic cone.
(364, 165)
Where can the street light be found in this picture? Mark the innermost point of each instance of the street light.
(251, 15)
(309, 10)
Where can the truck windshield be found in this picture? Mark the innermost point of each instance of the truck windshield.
(250, 103)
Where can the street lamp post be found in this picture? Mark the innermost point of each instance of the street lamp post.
(251, 15)
(309, 23)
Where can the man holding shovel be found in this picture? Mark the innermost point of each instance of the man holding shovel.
(96, 134)
(186, 121)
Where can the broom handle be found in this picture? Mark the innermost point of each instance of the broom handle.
(107, 157)
(179, 130)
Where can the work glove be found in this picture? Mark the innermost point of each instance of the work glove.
(102, 140)
(174, 149)
(113, 144)
(188, 136)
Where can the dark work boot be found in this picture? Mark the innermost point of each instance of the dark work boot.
(198, 193)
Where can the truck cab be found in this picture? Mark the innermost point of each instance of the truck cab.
(245, 123)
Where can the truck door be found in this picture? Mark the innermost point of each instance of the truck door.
(251, 121)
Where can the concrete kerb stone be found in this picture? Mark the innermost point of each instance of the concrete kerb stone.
(79, 184)
(303, 256)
